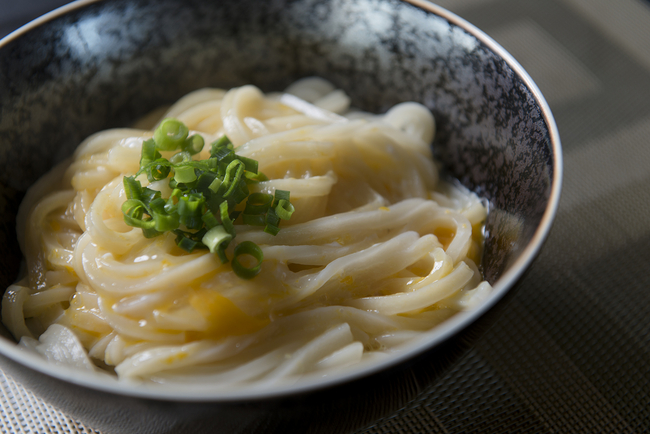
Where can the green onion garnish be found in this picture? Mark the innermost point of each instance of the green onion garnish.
(200, 211)
(193, 144)
(247, 248)
(215, 238)
(258, 203)
(272, 222)
(209, 219)
(170, 134)
(284, 209)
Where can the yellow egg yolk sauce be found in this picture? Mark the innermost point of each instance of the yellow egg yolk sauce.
(223, 316)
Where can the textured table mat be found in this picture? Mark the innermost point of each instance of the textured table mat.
(570, 354)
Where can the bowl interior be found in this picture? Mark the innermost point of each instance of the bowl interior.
(104, 64)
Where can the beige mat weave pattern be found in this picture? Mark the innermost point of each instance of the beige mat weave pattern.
(22, 412)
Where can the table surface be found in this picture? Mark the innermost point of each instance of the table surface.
(570, 354)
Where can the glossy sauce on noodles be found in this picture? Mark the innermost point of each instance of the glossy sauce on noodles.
(377, 252)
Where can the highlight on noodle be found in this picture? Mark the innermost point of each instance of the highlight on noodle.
(377, 250)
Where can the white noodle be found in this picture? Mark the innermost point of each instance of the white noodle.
(377, 252)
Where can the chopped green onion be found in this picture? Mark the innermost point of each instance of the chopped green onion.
(132, 188)
(201, 207)
(209, 219)
(163, 220)
(193, 144)
(213, 202)
(270, 229)
(181, 157)
(149, 152)
(224, 155)
(189, 241)
(258, 203)
(272, 222)
(214, 186)
(170, 134)
(184, 174)
(147, 194)
(150, 233)
(211, 164)
(204, 181)
(157, 170)
(247, 248)
(272, 217)
(134, 211)
(254, 178)
(215, 238)
(225, 218)
(238, 167)
(175, 196)
(221, 253)
(240, 193)
(190, 210)
(254, 220)
(186, 243)
(249, 164)
(284, 209)
(280, 195)
(221, 142)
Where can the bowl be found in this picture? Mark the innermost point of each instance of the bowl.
(93, 65)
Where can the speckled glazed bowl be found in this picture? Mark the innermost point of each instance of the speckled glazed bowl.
(94, 65)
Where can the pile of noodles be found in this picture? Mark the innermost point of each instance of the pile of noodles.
(377, 252)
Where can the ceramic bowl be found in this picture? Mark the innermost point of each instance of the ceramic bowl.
(94, 65)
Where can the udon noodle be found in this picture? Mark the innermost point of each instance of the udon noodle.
(377, 252)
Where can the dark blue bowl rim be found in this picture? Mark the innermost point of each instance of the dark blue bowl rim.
(443, 332)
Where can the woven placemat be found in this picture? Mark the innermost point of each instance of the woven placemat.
(571, 352)
(22, 412)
